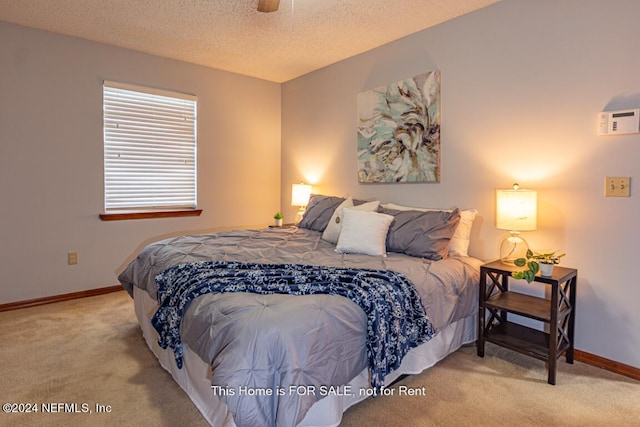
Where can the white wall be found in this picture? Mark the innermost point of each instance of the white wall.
(522, 83)
(51, 171)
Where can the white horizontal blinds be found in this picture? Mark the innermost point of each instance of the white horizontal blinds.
(149, 148)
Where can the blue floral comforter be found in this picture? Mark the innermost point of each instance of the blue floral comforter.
(396, 319)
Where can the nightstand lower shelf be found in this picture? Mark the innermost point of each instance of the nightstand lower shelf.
(522, 339)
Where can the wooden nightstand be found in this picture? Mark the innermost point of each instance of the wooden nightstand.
(558, 311)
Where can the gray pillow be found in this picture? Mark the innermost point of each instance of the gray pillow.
(421, 234)
(319, 211)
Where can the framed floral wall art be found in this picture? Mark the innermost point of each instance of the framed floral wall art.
(399, 131)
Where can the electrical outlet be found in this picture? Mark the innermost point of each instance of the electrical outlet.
(617, 186)
(72, 258)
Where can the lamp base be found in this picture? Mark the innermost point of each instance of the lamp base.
(513, 247)
(299, 215)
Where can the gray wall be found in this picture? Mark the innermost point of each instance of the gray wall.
(522, 84)
(51, 170)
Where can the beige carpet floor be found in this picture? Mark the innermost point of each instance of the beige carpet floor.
(91, 352)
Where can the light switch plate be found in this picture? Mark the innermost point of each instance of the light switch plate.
(617, 186)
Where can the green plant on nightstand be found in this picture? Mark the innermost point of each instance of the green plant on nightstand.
(278, 217)
(536, 261)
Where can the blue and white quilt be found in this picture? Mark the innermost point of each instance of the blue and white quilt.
(396, 319)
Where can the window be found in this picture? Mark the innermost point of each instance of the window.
(149, 149)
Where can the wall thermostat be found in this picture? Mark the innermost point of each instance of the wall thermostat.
(619, 122)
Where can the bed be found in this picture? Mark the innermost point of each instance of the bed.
(248, 358)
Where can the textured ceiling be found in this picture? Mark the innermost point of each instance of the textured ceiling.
(302, 36)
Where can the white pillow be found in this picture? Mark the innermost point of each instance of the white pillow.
(332, 231)
(363, 232)
(459, 244)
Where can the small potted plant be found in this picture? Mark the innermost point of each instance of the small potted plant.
(547, 261)
(278, 218)
(536, 261)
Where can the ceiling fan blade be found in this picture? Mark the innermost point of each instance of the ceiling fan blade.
(268, 5)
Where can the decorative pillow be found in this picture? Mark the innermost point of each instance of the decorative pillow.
(319, 211)
(459, 244)
(332, 231)
(424, 234)
(363, 232)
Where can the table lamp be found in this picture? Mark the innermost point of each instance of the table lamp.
(300, 194)
(516, 211)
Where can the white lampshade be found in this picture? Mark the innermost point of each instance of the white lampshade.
(516, 211)
(300, 194)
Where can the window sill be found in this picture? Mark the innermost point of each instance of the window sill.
(121, 216)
